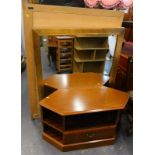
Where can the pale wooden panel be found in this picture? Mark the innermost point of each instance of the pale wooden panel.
(116, 57)
(31, 68)
(90, 32)
(76, 10)
(46, 20)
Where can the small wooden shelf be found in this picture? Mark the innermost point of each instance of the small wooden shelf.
(90, 53)
(91, 43)
(66, 47)
(90, 35)
(66, 59)
(65, 65)
(96, 66)
(100, 54)
(53, 124)
(91, 60)
(65, 62)
(90, 48)
(84, 55)
(66, 69)
(53, 133)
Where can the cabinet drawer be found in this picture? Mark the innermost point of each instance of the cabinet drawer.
(66, 43)
(65, 66)
(65, 55)
(65, 50)
(65, 61)
(89, 134)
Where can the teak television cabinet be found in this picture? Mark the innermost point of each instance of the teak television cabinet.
(44, 20)
(82, 117)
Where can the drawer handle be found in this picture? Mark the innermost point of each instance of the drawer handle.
(90, 135)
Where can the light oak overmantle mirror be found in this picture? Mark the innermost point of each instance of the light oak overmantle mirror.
(41, 20)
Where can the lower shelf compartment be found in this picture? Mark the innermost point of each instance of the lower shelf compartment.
(96, 67)
(53, 133)
(79, 135)
(81, 145)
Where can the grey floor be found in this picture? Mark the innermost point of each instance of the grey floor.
(33, 144)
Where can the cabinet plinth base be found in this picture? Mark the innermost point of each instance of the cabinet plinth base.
(81, 145)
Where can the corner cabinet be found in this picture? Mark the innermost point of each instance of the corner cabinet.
(90, 53)
(79, 131)
(74, 120)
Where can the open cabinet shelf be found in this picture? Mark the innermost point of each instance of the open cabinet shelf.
(52, 132)
(86, 43)
(90, 53)
(91, 60)
(79, 128)
(90, 48)
(89, 66)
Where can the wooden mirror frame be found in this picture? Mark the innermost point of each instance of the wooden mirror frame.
(32, 36)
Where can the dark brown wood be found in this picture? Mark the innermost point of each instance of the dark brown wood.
(129, 16)
(124, 77)
(52, 42)
(128, 36)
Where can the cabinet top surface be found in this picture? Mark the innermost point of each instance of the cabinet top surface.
(76, 80)
(85, 100)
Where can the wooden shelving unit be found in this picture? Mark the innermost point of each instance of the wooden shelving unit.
(90, 53)
(64, 53)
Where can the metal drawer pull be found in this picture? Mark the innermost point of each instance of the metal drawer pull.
(90, 135)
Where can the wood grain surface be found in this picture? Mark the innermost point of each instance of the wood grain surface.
(85, 100)
(76, 80)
